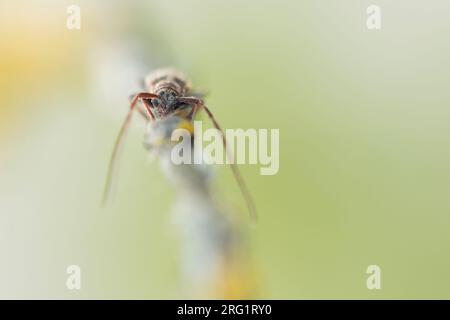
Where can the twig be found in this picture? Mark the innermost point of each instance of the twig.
(214, 250)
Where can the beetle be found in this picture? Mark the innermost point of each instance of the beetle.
(168, 91)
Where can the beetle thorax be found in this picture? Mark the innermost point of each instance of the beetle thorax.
(162, 79)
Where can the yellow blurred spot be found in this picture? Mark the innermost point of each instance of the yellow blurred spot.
(187, 125)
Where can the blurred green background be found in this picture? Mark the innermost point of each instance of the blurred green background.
(364, 153)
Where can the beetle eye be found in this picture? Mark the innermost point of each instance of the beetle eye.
(156, 102)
